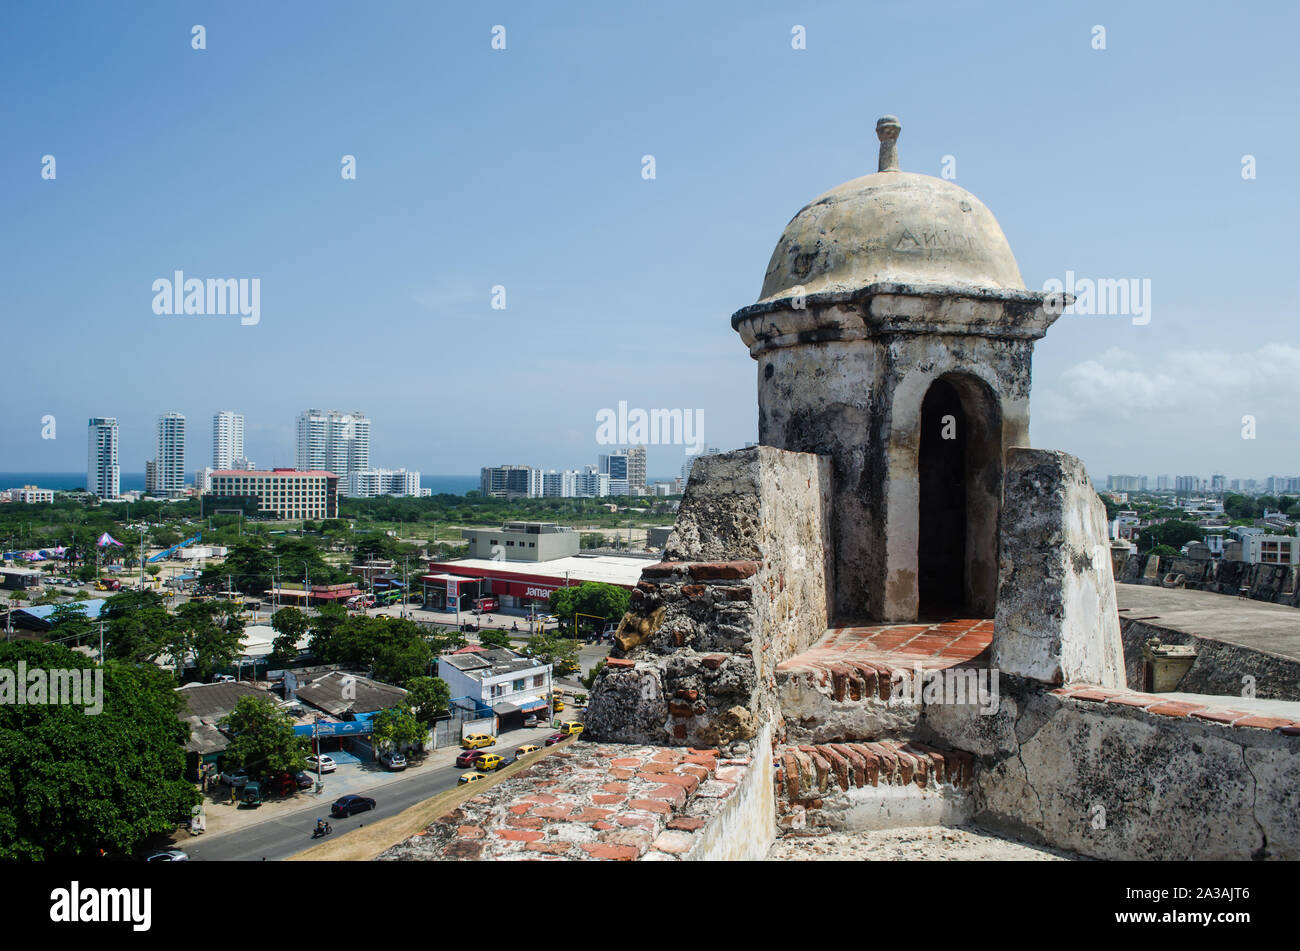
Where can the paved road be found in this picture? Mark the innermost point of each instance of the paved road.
(290, 833)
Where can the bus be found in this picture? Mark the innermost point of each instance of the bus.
(389, 597)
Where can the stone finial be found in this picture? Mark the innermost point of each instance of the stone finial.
(887, 129)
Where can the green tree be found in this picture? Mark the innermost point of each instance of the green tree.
(262, 738)
(1175, 534)
(397, 727)
(394, 649)
(290, 626)
(430, 697)
(494, 638)
(402, 660)
(322, 627)
(137, 628)
(70, 625)
(444, 641)
(607, 602)
(375, 546)
(550, 648)
(210, 632)
(73, 783)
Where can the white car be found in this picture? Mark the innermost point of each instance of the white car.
(170, 855)
(327, 765)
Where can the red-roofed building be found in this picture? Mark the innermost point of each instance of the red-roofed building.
(284, 493)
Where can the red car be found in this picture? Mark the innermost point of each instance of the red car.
(468, 757)
(555, 738)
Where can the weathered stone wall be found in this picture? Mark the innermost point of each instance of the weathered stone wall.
(1057, 619)
(1219, 666)
(857, 401)
(743, 829)
(1273, 583)
(744, 586)
(1096, 773)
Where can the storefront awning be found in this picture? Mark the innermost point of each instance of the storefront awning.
(504, 707)
(529, 706)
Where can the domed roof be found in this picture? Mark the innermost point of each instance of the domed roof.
(891, 227)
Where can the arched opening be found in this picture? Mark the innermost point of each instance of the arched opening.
(941, 542)
(960, 482)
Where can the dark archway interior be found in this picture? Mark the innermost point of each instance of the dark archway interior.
(941, 552)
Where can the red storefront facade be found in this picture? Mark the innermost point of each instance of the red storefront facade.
(515, 589)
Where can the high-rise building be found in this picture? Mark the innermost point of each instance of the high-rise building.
(228, 441)
(103, 476)
(171, 454)
(1126, 483)
(151, 484)
(334, 442)
(1186, 485)
(636, 462)
(591, 483)
(1164, 483)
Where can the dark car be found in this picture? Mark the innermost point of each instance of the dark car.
(468, 757)
(304, 780)
(346, 806)
(555, 738)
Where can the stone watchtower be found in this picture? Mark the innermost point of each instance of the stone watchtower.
(893, 480)
(894, 335)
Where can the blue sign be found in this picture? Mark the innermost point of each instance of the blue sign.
(356, 728)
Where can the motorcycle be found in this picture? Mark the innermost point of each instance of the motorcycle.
(322, 829)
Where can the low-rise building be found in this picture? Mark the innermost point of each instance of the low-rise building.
(32, 495)
(514, 686)
(369, 483)
(1260, 549)
(522, 541)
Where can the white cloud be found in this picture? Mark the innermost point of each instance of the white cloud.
(1118, 385)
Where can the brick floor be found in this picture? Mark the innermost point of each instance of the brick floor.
(653, 804)
(935, 646)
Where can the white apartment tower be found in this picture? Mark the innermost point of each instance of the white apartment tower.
(228, 440)
(171, 453)
(103, 477)
(636, 469)
(334, 442)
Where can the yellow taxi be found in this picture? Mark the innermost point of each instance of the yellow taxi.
(470, 778)
(476, 741)
(525, 750)
(490, 761)
(570, 728)
(557, 705)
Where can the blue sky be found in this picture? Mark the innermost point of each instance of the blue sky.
(522, 168)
